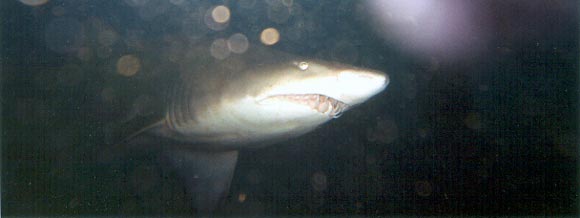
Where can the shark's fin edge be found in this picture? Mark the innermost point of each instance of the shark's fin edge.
(154, 126)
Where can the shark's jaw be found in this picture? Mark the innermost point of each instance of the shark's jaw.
(316, 102)
(320, 95)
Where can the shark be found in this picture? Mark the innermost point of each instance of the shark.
(250, 100)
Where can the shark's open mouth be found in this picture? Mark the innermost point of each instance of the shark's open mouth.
(321, 103)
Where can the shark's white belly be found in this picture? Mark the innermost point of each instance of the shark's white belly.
(247, 122)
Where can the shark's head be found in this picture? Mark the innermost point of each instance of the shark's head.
(267, 95)
(315, 88)
(292, 95)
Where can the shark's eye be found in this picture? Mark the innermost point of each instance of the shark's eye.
(303, 65)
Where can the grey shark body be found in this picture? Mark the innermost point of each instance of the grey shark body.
(249, 100)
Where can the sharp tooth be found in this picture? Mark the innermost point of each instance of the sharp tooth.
(313, 104)
(337, 113)
(334, 103)
(330, 108)
(336, 109)
(323, 107)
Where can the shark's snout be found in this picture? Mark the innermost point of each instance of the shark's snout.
(359, 85)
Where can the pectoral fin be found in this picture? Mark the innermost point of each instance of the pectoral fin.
(207, 175)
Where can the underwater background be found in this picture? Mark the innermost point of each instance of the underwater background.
(480, 116)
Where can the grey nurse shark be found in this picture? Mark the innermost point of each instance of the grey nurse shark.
(257, 98)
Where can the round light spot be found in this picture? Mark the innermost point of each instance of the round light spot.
(319, 181)
(303, 65)
(219, 49)
(220, 14)
(33, 2)
(238, 43)
(242, 197)
(216, 19)
(128, 65)
(270, 36)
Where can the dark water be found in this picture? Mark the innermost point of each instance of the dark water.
(480, 117)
